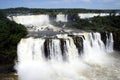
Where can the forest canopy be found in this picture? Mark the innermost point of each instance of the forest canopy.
(10, 35)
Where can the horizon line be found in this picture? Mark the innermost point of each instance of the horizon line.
(62, 8)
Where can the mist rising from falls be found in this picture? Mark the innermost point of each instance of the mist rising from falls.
(64, 57)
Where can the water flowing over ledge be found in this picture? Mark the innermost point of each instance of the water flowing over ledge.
(65, 57)
(43, 22)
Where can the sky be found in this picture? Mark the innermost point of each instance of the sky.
(88, 4)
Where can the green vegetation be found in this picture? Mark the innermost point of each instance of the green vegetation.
(10, 35)
(101, 24)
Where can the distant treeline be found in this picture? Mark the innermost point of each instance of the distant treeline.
(22, 10)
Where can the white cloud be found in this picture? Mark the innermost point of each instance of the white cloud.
(86, 0)
(105, 0)
(76, 0)
(62, 1)
(73, 3)
(67, 1)
(97, 0)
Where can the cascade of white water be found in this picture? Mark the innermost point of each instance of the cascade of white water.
(93, 46)
(71, 50)
(109, 43)
(39, 22)
(94, 49)
(33, 65)
(55, 50)
(35, 20)
(31, 50)
(25, 49)
(91, 15)
(38, 52)
(61, 17)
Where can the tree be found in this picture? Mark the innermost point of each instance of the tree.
(10, 35)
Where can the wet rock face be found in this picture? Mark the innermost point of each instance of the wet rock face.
(103, 37)
(8, 76)
(79, 43)
(62, 41)
(63, 48)
(46, 48)
(116, 36)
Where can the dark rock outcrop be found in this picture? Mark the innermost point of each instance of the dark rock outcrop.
(116, 37)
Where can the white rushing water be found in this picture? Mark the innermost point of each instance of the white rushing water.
(55, 50)
(34, 22)
(91, 15)
(64, 62)
(32, 19)
(109, 45)
(39, 22)
(61, 17)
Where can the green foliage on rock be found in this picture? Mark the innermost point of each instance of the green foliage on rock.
(10, 35)
(100, 24)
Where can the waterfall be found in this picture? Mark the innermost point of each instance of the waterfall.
(38, 22)
(109, 43)
(71, 50)
(38, 52)
(94, 49)
(91, 15)
(55, 50)
(59, 58)
(31, 49)
(35, 20)
(61, 17)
